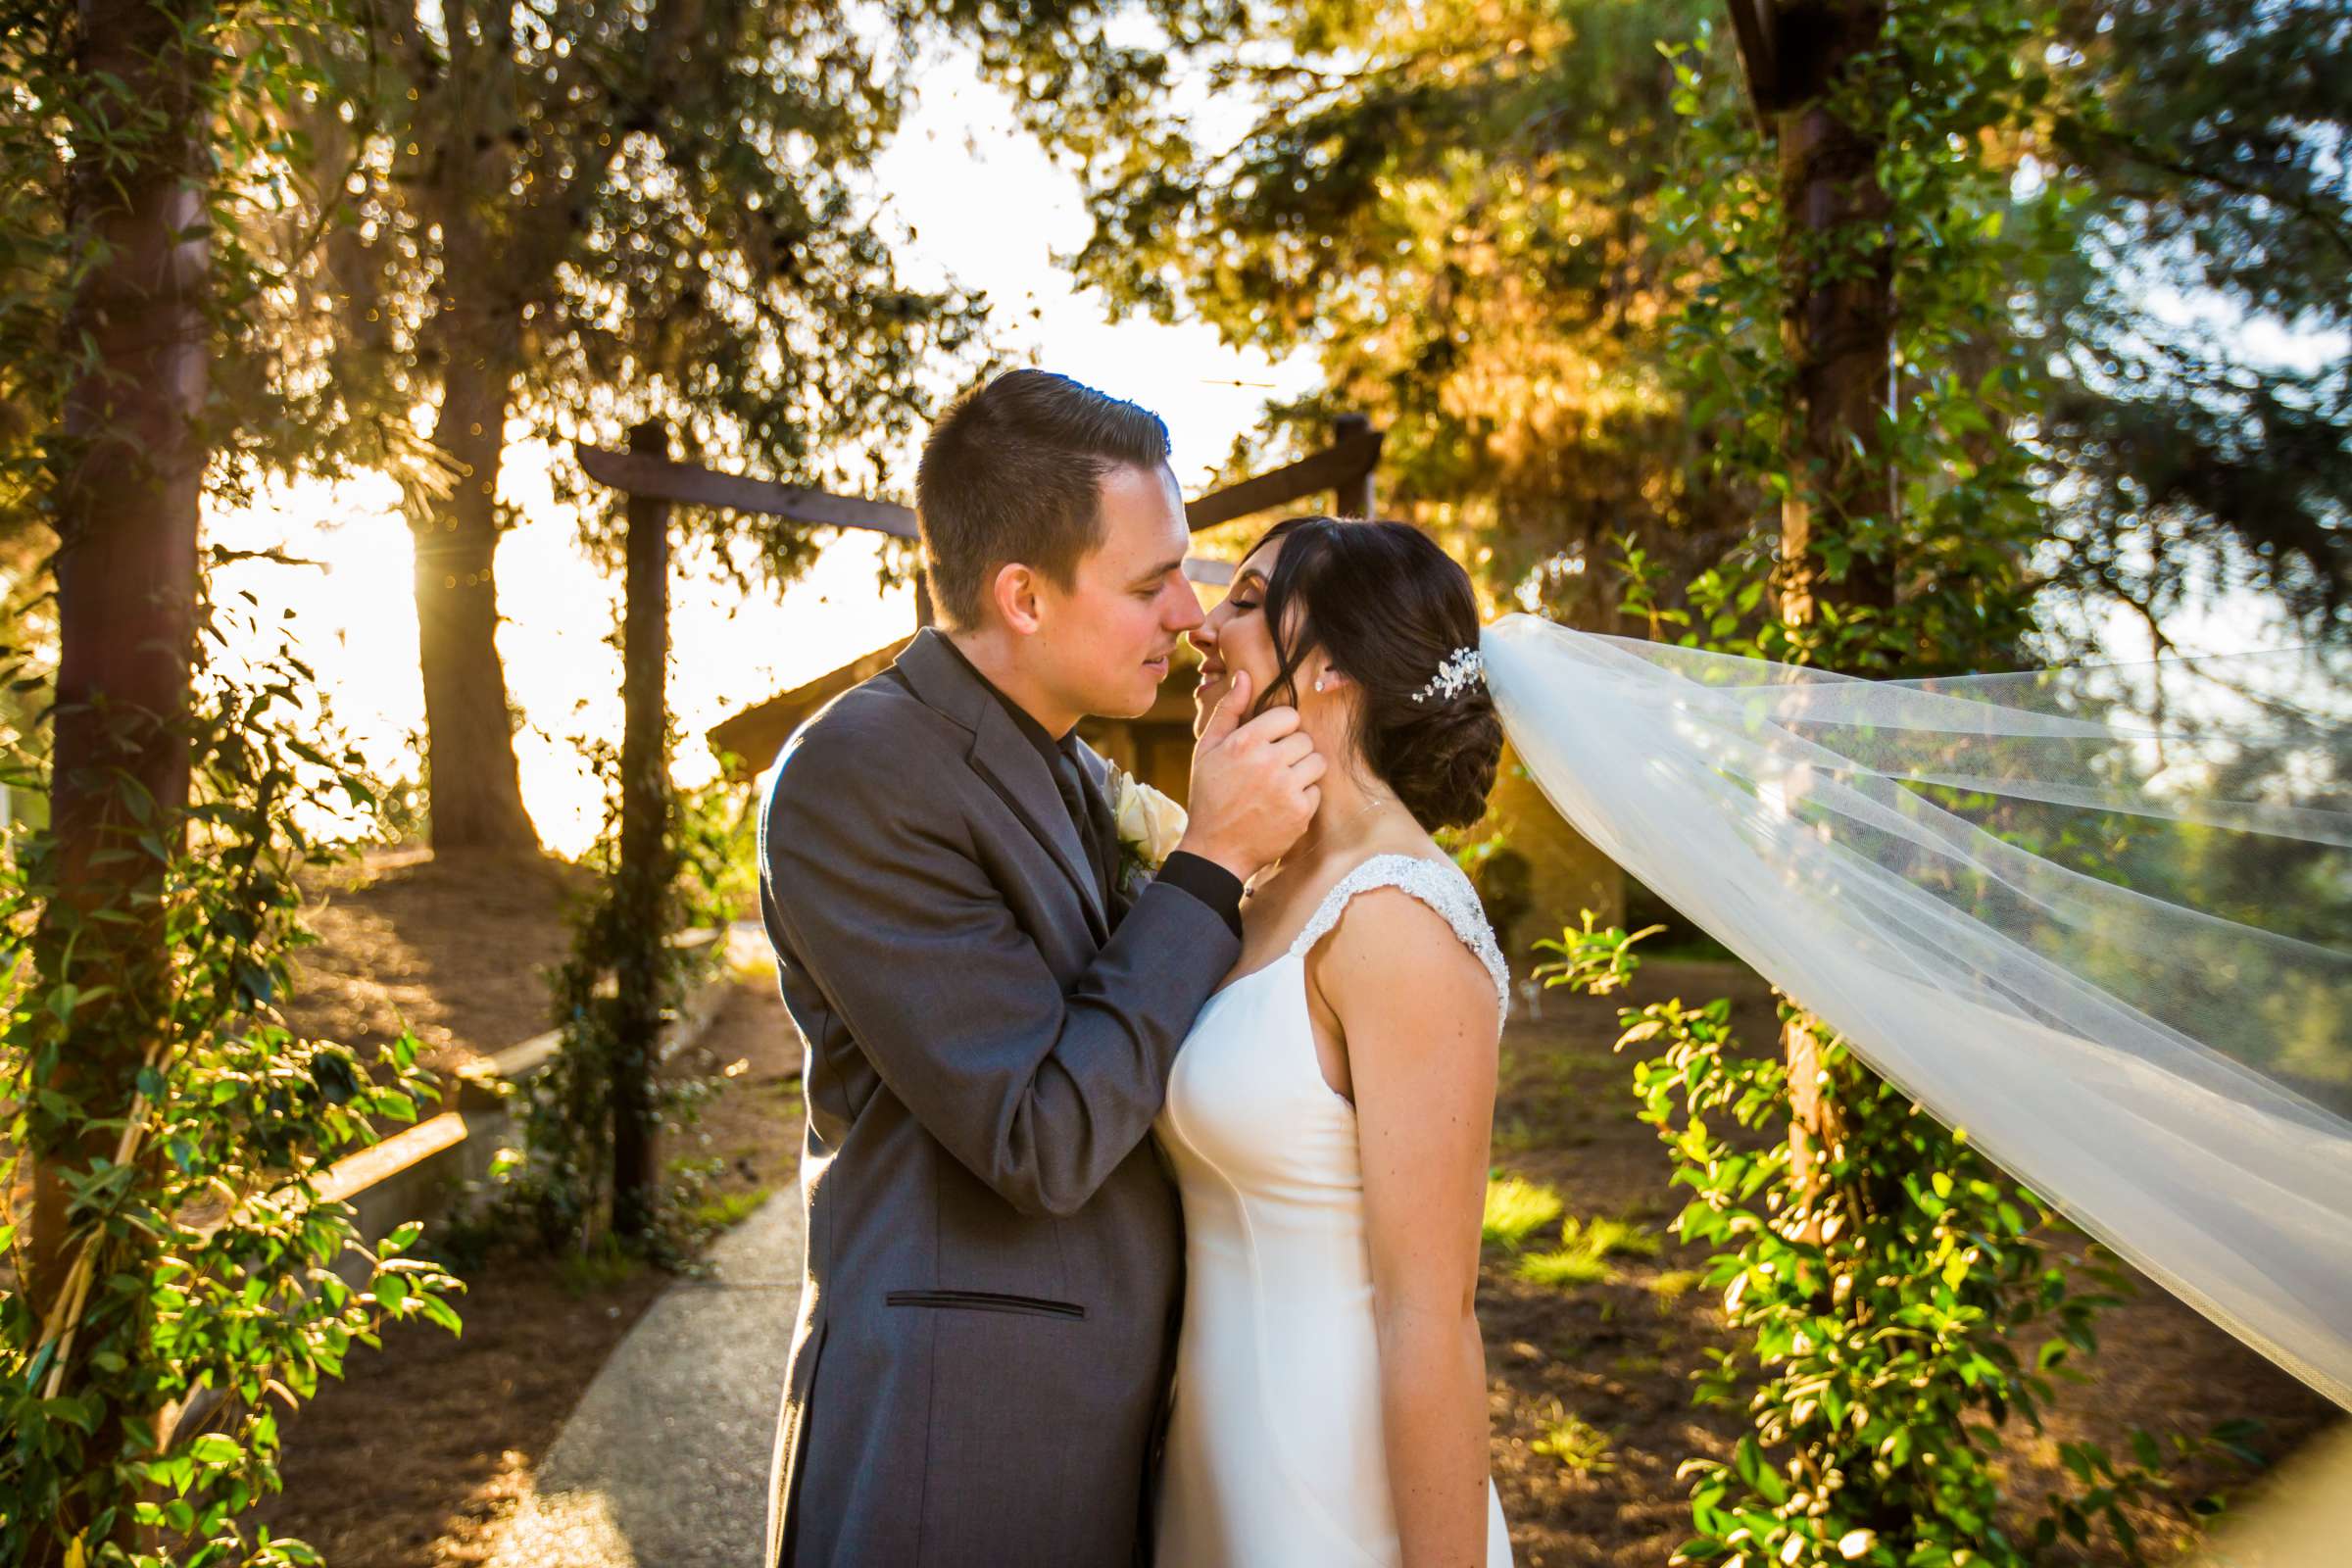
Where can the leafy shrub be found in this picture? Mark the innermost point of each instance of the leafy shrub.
(197, 1279)
(1890, 1315)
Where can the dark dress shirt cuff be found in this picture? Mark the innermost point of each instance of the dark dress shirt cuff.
(1204, 879)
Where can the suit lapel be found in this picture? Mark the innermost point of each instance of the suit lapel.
(1097, 769)
(1006, 759)
(1002, 756)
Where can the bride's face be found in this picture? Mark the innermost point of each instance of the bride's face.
(1235, 637)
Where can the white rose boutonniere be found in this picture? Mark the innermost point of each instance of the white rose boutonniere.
(1150, 825)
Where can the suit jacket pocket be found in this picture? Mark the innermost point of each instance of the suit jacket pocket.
(986, 1302)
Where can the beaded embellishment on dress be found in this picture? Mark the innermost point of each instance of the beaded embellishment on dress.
(1441, 885)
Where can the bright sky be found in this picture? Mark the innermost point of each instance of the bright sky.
(986, 203)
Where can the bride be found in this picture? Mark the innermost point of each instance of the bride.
(2162, 1058)
(1328, 1117)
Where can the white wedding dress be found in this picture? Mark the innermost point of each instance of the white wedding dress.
(1274, 1453)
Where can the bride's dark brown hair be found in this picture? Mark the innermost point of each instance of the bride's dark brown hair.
(1387, 606)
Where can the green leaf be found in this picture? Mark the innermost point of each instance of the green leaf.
(441, 1312)
(332, 1072)
(216, 1448)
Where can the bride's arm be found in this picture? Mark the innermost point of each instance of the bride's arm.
(1418, 1014)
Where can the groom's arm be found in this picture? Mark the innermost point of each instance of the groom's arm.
(1038, 1091)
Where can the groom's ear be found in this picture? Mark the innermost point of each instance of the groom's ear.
(1014, 591)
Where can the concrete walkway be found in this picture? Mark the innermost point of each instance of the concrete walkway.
(665, 1463)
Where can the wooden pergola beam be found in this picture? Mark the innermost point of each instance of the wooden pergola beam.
(1343, 464)
(685, 484)
(1352, 454)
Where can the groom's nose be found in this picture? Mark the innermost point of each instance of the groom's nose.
(1183, 613)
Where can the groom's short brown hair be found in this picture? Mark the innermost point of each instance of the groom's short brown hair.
(1012, 471)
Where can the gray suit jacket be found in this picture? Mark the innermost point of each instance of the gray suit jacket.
(995, 1250)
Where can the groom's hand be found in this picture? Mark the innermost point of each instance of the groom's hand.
(1253, 785)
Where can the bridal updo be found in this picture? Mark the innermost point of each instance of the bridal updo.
(1388, 607)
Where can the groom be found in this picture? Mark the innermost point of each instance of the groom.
(994, 1253)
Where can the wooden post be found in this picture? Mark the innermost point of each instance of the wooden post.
(1353, 498)
(642, 884)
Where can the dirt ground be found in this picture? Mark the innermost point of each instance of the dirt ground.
(422, 1453)
(1619, 1356)
(455, 948)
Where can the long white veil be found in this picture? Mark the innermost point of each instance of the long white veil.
(2101, 918)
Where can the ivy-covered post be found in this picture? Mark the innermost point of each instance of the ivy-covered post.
(131, 460)
(1837, 270)
(1851, 354)
(1838, 509)
(179, 1270)
(642, 883)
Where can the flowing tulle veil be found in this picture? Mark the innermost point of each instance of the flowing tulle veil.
(2099, 917)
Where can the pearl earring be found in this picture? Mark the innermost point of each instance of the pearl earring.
(1318, 683)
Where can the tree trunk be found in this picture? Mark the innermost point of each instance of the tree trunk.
(1836, 326)
(459, 131)
(642, 886)
(475, 789)
(127, 577)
